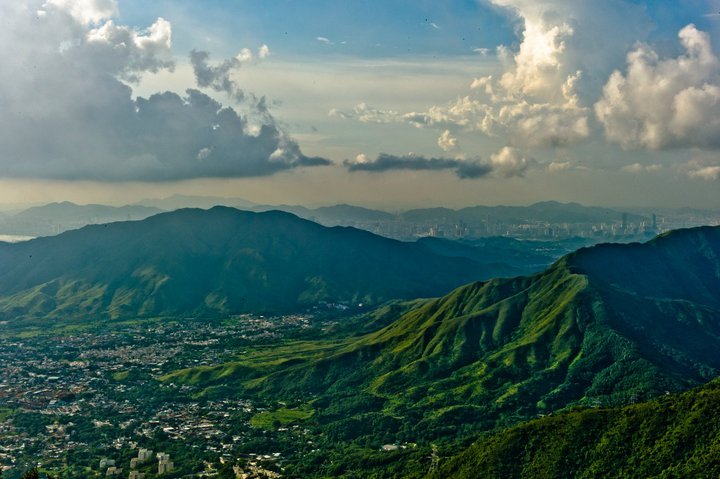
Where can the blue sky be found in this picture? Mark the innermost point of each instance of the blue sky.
(368, 28)
(390, 104)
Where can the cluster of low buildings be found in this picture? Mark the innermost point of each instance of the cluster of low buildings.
(86, 390)
(164, 465)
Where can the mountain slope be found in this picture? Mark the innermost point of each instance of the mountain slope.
(676, 436)
(217, 261)
(597, 327)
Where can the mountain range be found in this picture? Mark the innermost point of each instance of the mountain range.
(55, 218)
(577, 370)
(544, 211)
(217, 261)
(602, 326)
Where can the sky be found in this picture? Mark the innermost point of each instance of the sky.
(390, 104)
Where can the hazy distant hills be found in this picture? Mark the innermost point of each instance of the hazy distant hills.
(546, 211)
(476, 221)
(603, 325)
(332, 215)
(216, 261)
(676, 436)
(55, 218)
(176, 202)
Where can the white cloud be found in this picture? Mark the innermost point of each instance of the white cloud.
(640, 168)
(446, 141)
(245, 55)
(705, 165)
(536, 68)
(362, 159)
(557, 166)
(533, 102)
(134, 51)
(263, 52)
(366, 114)
(707, 173)
(86, 11)
(509, 162)
(665, 103)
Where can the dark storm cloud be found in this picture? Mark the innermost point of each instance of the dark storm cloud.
(384, 162)
(67, 110)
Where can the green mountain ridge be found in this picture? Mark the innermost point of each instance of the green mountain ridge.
(597, 327)
(217, 261)
(674, 436)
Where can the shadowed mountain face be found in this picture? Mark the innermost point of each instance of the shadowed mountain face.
(217, 261)
(603, 325)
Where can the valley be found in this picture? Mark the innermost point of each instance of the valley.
(340, 389)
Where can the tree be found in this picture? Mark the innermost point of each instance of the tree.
(31, 474)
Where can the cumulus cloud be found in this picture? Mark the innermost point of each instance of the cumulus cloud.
(535, 100)
(447, 142)
(362, 158)
(263, 52)
(665, 103)
(507, 163)
(85, 11)
(545, 86)
(112, 46)
(67, 109)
